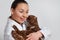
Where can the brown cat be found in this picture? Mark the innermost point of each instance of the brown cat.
(31, 26)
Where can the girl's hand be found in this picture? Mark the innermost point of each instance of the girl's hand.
(34, 36)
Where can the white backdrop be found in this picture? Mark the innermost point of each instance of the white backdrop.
(47, 11)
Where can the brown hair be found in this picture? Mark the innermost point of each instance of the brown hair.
(16, 2)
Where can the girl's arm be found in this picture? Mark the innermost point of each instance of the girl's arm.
(45, 31)
(7, 32)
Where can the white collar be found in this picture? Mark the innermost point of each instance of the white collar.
(12, 22)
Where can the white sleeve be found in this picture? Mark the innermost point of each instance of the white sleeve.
(7, 33)
(46, 32)
(8, 37)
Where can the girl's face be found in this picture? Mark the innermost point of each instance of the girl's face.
(20, 13)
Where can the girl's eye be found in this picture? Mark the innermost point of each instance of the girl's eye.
(27, 12)
(21, 11)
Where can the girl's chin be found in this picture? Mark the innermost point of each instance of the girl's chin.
(21, 21)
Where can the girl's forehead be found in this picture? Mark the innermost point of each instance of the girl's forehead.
(22, 6)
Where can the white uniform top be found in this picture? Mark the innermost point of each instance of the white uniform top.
(10, 23)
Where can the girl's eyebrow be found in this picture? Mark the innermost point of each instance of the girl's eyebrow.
(22, 9)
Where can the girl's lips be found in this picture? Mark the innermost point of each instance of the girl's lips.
(23, 19)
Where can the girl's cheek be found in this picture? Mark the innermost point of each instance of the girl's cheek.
(20, 14)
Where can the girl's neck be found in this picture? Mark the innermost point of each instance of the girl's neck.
(16, 20)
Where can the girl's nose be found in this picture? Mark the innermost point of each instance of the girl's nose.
(25, 15)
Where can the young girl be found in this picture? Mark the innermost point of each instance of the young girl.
(19, 14)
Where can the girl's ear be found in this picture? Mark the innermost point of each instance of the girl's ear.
(12, 11)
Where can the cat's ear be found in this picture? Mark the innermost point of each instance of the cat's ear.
(35, 17)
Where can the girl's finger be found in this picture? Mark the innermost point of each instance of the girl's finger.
(28, 38)
(29, 35)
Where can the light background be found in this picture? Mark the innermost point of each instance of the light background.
(47, 11)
